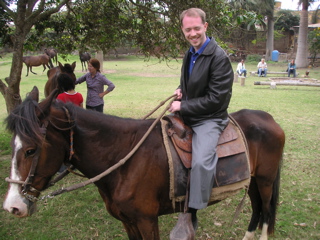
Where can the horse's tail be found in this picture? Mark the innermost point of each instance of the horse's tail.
(274, 201)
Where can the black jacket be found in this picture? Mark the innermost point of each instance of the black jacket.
(206, 93)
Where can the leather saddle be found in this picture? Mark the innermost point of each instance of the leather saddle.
(181, 136)
(233, 170)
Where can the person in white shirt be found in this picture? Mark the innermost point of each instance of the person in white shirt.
(262, 68)
(241, 68)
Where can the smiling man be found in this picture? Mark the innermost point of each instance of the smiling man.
(202, 100)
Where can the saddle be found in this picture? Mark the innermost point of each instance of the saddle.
(181, 136)
(233, 170)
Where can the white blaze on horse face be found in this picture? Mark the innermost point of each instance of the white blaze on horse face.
(14, 202)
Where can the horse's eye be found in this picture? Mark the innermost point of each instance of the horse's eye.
(30, 152)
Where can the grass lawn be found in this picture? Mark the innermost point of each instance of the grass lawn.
(141, 86)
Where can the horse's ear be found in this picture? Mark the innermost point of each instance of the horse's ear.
(73, 65)
(44, 106)
(60, 65)
(34, 94)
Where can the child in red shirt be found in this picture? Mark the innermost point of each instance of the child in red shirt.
(67, 85)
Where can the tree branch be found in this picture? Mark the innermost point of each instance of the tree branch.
(3, 88)
(5, 7)
(39, 14)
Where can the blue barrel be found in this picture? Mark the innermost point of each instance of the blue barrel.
(275, 56)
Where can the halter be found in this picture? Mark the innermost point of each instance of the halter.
(29, 180)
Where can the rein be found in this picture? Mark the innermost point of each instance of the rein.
(103, 174)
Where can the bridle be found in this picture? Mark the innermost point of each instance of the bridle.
(26, 185)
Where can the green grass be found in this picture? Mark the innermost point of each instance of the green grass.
(140, 86)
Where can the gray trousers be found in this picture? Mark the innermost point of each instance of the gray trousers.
(204, 160)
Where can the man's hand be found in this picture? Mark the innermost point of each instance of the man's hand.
(178, 93)
(175, 106)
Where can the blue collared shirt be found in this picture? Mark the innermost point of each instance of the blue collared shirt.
(195, 55)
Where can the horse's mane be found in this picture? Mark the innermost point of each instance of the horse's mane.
(24, 122)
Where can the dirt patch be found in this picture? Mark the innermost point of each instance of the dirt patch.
(106, 71)
(151, 75)
(154, 75)
(287, 79)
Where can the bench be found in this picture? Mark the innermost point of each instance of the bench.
(272, 73)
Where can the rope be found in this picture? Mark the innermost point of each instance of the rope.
(157, 107)
(121, 162)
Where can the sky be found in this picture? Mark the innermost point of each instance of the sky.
(293, 5)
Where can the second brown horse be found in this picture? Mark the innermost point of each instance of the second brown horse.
(53, 74)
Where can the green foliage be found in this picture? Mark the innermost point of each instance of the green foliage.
(153, 26)
(314, 42)
(286, 20)
(253, 58)
(5, 30)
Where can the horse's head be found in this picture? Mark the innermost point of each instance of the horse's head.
(69, 69)
(38, 150)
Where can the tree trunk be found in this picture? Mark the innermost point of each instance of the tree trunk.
(24, 18)
(99, 56)
(302, 51)
(11, 91)
(270, 38)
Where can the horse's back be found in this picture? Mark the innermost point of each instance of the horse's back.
(85, 56)
(257, 124)
(35, 60)
(44, 58)
(265, 139)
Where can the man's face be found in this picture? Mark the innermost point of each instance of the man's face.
(194, 31)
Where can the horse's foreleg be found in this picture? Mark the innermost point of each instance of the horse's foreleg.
(144, 229)
(132, 231)
(31, 70)
(149, 228)
(44, 67)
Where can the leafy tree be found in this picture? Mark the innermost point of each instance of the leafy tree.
(26, 15)
(67, 25)
(4, 27)
(264, 8)
(286, 20)
(314, 43)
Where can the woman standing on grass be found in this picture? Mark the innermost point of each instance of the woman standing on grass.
(95, 86)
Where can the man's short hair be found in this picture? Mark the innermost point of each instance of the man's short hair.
(193, 12)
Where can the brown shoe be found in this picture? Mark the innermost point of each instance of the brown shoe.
(184, 229)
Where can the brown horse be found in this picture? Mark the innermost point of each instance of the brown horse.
(53, 74)
(34, 61)
(84, 58)
(137, 192)
(52, 53)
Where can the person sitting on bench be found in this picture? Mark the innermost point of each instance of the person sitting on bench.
(262, 68)
(241, 68)
(292, 68)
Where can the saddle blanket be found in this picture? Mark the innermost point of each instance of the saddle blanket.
(233, 168)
